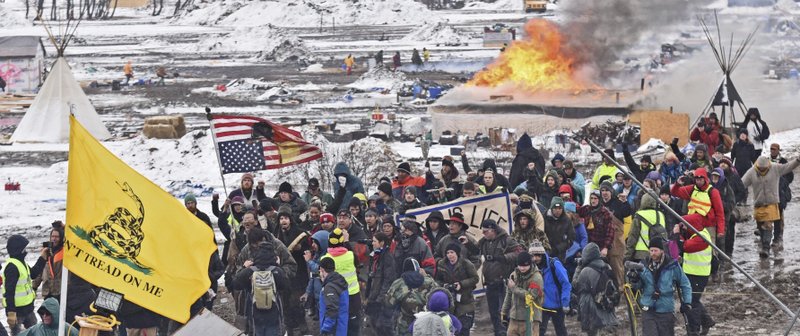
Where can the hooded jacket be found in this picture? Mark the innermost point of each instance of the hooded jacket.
(709, 136)
(41, 329)
(534, 231)
(351, 187)
(334, 304)
(499, 180)
(436, 236)
(464, 273)
(382, 272)
(757, 130)
(603, 170)
(547, 193)
(560, 233)
(764, 179)
(743, 155)
(504, 251)
(716, 216)
(671, 275)
(554, 274)
(725, 192)
(648, 205)
(525, 154)
(469, 251)
(415, 247)
(16, 249)
(514, 305)
(585, 284)
(263, 258)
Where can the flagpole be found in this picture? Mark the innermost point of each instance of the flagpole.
(62, 306)
(216, 150)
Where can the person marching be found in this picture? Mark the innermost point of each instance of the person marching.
(697, 267)
(765, 181)
(524, 297)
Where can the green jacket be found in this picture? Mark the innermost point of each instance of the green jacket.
(409, 301)
(514, 304)
(41, 329)
(463, 272)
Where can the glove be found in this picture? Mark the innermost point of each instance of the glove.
(488, 257)
(11, 319)
(674, 141)
(685, 308)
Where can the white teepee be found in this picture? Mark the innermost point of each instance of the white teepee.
(47, 120)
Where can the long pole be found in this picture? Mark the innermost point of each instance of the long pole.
(62, 306)
(216, 150)
(669, 210)
(791, 325)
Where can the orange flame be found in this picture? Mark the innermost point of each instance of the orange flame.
(540, 63)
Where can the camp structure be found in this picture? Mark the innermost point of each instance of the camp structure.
(47, 119)
(21, 63)
(726, 96)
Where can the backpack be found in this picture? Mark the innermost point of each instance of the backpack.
(430, 323)
(605, 292)
(264, 288)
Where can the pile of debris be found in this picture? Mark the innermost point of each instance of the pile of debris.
(380, 78)
(609, 133)
(440, 33)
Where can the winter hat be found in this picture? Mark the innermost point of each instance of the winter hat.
(189, 198)
(237, 200)
(653, 175)
(609, 152)
(458, 218)
(524, 259)
(595, 193)
(16, 245)
(285, 187)
(489, 224)
(327, 264)
(568, 164)
(410, 224)
(435, 215)
(718, 172)
(647, 158)
(385, 179)
(657, 242)
(557, 202)
(404, 167)
(410, 190)
(701, 147)
(762, 163)
(336, 239)
(385, 187)
(726, 160)
(713, 115)
(285, 211)
(741, 131)
(413, 279)
(453, 247)
(439, 301)
(410, 265)
(665, 190)
(327, 217)
(590, 253)
(448, 161)
(606, 185)
(370, 212)
(313, 183)
(247, 176)
(557, 157)
(536, 247)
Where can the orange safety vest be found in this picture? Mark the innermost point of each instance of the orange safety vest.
(700, 202)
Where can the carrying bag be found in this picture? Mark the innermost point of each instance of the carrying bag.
(264, 288)
(605, 292)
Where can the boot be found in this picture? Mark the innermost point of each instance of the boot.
(706, 325)
(766, 238)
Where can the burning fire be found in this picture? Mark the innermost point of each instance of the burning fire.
(543, 62)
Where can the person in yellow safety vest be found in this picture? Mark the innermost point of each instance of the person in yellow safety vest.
(349, 61)
(18, 292)
(347, 266)
(697, 266)
(606, 168)
(648, 222)
(426, 55)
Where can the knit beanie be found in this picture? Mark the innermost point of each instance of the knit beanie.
(404, 167)
(386, 188)
(285, 187)
(524, 259)
(189, 198)
(336, 239)
(453, 247)
(657, 242)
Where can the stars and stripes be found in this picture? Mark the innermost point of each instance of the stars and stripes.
(239, 149)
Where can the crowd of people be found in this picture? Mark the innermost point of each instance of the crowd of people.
(339, 262)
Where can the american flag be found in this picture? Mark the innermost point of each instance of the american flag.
(271, 146)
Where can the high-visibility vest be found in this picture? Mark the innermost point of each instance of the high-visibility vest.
(234, 225)
(652, 217)
(345, 265)
(700, 202)
(23, 293)
(698, 263)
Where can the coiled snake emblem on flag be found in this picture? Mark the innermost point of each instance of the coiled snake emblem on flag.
(120, 236)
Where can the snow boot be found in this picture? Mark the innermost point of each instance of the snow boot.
(766, 238)
(706, 325)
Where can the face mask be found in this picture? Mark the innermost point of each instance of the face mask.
(342, 180)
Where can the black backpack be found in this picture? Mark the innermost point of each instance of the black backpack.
(605, 292)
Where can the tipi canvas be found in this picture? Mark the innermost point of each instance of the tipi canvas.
(47, 120)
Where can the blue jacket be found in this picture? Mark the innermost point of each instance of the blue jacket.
(314, 282)
(551, 294)
(353, 185)
(671, 274)
(334, 302)
(631, 195)
(581, 239)
(670, 173)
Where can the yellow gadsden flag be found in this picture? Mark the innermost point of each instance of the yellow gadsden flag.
(126, 234)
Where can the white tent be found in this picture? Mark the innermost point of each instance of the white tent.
(47, 120)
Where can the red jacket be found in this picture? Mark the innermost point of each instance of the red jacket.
(711, 139)
(717, 213)
(695, 244)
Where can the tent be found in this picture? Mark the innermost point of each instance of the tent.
(47, 119)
